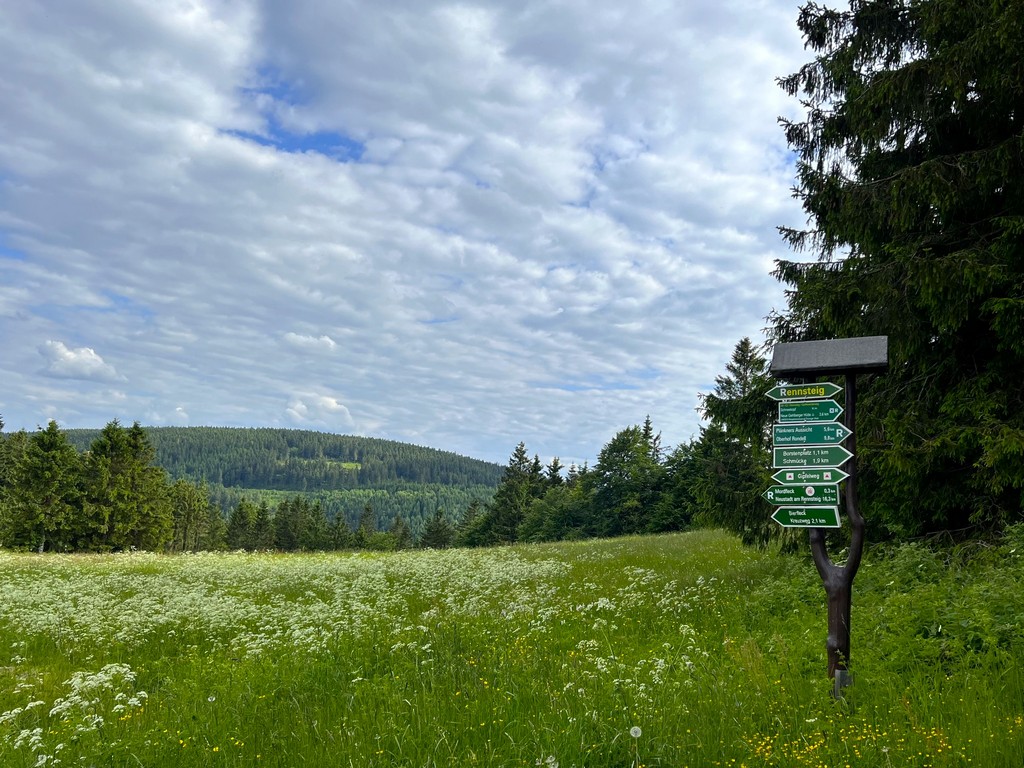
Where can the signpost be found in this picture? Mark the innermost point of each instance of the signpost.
(804, 391)
(802, 494)
(795, 411)
(809, 457)
(802, 476)
(807, 517)
(809, 434)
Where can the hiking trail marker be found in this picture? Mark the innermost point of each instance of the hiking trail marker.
(807, 517)
(785, 495)
(809, 411)
(808, 454)
(804, 475)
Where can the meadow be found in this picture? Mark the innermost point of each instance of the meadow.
(677, 650)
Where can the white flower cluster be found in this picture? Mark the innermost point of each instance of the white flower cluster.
(92, 696)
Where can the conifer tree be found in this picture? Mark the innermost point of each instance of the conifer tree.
(401, 533)
(911, 170)
(438, 533)
(731, 459)
(241, 525)
(190, 511)
(46, 508)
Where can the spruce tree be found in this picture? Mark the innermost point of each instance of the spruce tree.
(438, 533)
(46, 505)
(190, 505)
(911, 170)
(730, 461)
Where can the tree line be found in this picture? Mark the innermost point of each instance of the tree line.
(637, 486)
(300, 460)
(113, 496)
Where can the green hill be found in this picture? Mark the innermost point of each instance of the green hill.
(300, 460)
(344, 473)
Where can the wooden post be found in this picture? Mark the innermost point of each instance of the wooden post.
(838, 579)
(847, 357)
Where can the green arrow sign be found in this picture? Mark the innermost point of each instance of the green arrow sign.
(804, 391)
(809, 434)
(807, 517)
(809, 410)
(805, 476)
(810, 456)
(802, 494)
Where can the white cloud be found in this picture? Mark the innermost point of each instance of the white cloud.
(312, 343)
(562, 219)
(82, 363)
(320, 410)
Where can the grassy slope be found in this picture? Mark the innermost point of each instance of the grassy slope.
(517, 656)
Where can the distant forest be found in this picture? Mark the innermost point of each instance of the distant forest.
(353, 479)
(298, 460)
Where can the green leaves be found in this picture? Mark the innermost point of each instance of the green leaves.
(911, 169)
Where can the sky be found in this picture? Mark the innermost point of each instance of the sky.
(459, 225)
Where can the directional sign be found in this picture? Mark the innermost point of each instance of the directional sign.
(804, 391)
(810, 456)
(809, 434)
(809, 410)
(805, 476)
(807, 517)
(802, 494)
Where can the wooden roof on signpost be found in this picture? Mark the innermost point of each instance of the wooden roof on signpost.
(810, 359)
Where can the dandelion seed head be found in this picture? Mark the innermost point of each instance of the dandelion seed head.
(635, 732)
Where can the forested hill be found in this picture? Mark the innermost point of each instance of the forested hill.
(300, 460)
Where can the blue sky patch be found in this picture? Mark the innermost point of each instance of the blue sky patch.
(332, 144)
(6, 252)
(119, 303)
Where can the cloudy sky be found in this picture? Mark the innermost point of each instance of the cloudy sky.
(455, 224)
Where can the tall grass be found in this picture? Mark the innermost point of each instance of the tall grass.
(682, 650)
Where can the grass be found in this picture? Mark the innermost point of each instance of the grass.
(681, 650)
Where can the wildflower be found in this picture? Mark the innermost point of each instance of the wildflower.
(635, 732)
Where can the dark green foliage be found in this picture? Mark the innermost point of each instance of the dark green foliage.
(625, 483)
(439, 533)
(414, 504)
(469, 531)
(300, 525)
(340, 473)
(728, 478)
(299, 460)
(522, 482)
(12, 451)
(677, 502)
(563, 512)
(911, 169)
(190, 509)
(739, 400)
(262, 531)
(242, 526)
(115, 497)
(621, 495)
(46, 497)
(727, 467)
(401, 533)
(126, 504)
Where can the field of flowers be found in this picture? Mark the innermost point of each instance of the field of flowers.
(681, 650)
